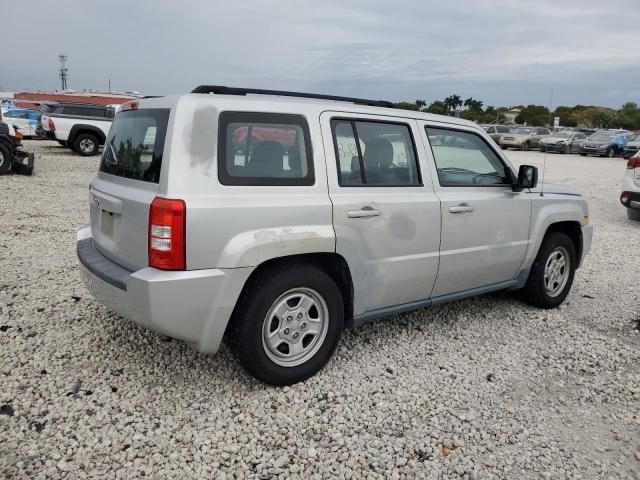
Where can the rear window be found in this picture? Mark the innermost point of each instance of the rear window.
(135, 144)
(264, 149)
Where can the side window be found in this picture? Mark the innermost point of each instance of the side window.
(375, 154)
(503, 129)
(9, 114)
(463, 159)
(491, 130)
(264, 149)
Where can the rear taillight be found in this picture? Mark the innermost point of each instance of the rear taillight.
(634, 162)
(52, 126)
(167, 232)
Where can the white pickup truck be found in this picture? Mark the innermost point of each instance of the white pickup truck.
(80, 127)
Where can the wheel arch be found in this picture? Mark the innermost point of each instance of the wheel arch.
(331, 263)
(83, 128)
(573, 230)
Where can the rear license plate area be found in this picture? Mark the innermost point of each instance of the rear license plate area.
(106, 223)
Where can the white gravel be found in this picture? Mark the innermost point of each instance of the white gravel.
(509, 390)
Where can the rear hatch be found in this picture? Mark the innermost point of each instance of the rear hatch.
(120, 196)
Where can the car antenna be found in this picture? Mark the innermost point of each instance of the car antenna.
(544, 161)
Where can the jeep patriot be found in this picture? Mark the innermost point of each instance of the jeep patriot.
(277, 219)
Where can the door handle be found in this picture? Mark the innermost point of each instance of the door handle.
(364, 212)
(463, 207)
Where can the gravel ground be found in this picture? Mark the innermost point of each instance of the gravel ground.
(479, 389)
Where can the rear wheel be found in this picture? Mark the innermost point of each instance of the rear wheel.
(503, 147)
(633, 213)
(552, 272)
(5, 159)
(287, 324)
(542, 148)
(86, 145)
(567, 149)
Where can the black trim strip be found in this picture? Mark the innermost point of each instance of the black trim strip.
(101, 266)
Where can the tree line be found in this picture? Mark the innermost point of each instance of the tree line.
(589, 116)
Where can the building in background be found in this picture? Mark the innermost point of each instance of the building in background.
(35, 100)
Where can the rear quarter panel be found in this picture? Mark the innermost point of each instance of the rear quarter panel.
(241, 226)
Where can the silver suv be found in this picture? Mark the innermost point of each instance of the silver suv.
(278, 221)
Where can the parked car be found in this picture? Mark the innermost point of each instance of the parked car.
(630, 196)
(524, 138)
(83, 128)
(496, 131)
(632, 147)
(332, 221)
(605, 143)
(563, 142)
(26, 120)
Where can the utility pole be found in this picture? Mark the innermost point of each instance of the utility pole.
(64, 75)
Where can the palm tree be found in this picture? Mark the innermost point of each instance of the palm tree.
(452, 102)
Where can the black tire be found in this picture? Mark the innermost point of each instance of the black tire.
(503, 147)
(534, 291)
(258, 296)
(611, 152)
(62, 143)
(86, 144)
(542, 148)
(6, 159)
(525, 147)
(567, 150)
(583, 154)
(633, 213)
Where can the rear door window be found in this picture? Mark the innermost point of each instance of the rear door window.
(135, 144)
(264, 149)
(377, 154)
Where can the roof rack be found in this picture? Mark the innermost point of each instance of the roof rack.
(222, 90)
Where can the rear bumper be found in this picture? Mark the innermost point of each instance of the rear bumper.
(633, 199)
(194, 306)
(587, 238)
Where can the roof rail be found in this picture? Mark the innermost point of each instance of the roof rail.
(222, 90)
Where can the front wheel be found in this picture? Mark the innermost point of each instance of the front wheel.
(86, 145)
(287, 324)
(62, 143)
(525, 146)
(633, 213)
(611, 152)
(503, 147)
(542, 148)
(552, 272)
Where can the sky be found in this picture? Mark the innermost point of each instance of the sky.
(503, 52)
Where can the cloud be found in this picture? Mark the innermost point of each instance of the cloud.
(503, 51)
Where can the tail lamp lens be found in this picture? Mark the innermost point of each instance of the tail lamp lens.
(167, 232)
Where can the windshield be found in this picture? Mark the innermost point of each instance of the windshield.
(521, 131)
(135, 144)
(603, 136)
(635, 138)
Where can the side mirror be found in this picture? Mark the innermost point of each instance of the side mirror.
(527, 178)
